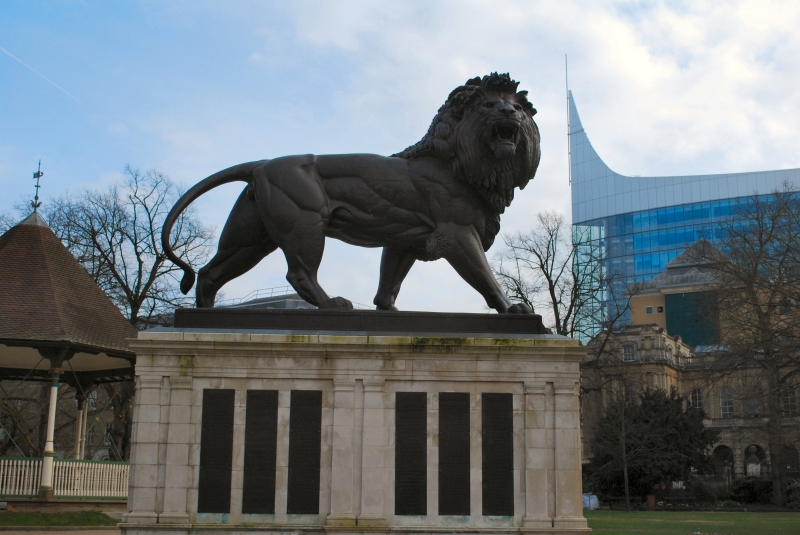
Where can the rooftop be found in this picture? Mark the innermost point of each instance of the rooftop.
(47, 296)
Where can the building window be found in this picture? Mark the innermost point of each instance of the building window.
(786, 306)
(753, 404)
(696, 399)
(629, 392)
(660, 310)
(789, 401)
(726, 403)
(629, 352)
(648, 310)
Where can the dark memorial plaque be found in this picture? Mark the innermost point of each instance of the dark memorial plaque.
(453, 454)
(216, 452)
(410, 454)
(260, 452)
(305, 440)
(498, 454)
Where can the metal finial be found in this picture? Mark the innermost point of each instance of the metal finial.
(37, 175)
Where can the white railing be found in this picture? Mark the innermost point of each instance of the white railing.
(261, 293)
(72, 478)
(20, 476)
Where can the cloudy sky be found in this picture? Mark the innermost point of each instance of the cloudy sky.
(192, 87)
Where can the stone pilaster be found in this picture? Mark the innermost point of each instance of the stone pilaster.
(282, 456)
(163, 433)
(237, 465)
(374, 467)
(179, 474)
(569, 506)
(342, 473)
(475, 460)
(537, 459)
(143, 476)
(432, 444)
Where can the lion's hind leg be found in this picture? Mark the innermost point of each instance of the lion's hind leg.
(292, 205)
(243, 243)
(226, 266)
(303, 255)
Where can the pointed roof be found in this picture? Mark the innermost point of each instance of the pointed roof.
(693, 267)
(47, 296)
(700, 253)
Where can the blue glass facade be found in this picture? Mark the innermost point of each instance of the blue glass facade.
(639, 244)
(633, 226)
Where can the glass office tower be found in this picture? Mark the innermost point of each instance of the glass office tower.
(633, 226)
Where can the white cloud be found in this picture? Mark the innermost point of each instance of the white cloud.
(662, 88)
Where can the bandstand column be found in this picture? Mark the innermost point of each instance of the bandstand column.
(46, 491)
(76, 454)
(82, 444)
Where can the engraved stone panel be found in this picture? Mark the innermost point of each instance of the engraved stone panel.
(410, 454)
(453, 453)
(216, 451)
(260, 451)
(498, 454)
(305, 435)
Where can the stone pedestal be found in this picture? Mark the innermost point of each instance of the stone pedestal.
(359, 374)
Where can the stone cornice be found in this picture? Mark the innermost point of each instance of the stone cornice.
(243, 344)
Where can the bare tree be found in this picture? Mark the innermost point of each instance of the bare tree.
(120, 398)
(550, 269)
(115, 235)
(6, 222)
(759, 310)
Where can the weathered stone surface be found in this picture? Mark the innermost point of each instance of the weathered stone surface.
(359, 377)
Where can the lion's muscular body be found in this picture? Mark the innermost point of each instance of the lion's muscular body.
(378, 201)
(440, 198)
(413, 206)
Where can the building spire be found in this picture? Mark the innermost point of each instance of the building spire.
(37, 175)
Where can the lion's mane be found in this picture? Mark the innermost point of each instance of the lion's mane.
(455, 136)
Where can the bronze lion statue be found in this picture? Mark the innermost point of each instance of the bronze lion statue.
(439, 198)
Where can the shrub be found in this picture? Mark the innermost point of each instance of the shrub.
(730, 504)
(701, 491)
(793, 494)
(752, 490)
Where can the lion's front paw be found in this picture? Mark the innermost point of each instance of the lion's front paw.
(337, 302)
(519, 308)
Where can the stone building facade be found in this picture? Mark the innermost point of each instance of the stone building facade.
(647, 357)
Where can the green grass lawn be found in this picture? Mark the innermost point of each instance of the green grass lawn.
(684, 523)
(77, 518)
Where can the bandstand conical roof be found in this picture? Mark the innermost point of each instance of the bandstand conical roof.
(47, 299)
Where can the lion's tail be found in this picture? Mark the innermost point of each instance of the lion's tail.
(237, 173)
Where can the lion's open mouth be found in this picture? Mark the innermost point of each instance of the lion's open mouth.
(504, 139)
(506, 132)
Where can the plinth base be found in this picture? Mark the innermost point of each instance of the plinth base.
(205, 529)
(46, 495)
(361, 404)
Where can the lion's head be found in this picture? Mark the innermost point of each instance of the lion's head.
(486, 130)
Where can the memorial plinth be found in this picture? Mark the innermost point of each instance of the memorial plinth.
(361, 422)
